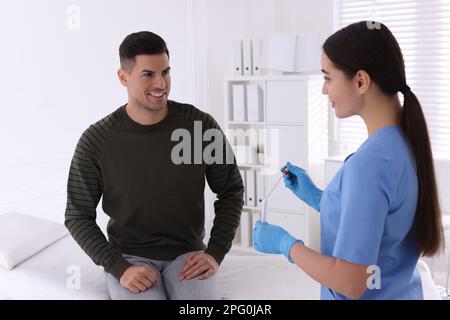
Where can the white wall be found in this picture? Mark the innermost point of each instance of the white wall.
(56, 81)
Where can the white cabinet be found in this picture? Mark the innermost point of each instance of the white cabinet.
(295, 223)
(286, 101)
(292, 147)
(287, 143)
(292, 125)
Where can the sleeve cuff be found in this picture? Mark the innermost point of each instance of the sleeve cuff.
(118, 266)
(290, 248)
(217, 252)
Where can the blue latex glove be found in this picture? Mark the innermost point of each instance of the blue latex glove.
(269, 238)
(298, 181)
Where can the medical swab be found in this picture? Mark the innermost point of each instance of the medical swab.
(264, 202)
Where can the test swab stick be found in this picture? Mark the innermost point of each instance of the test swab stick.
(264, 202)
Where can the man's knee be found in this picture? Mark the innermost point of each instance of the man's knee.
(194, 289)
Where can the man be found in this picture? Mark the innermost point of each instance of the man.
(155, 204)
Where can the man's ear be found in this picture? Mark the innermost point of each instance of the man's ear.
(363, 81)
(123, 77)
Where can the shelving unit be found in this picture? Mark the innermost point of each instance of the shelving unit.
(294, 128)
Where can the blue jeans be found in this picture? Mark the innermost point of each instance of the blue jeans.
(168, 287)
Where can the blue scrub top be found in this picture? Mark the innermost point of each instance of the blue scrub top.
(367, 213)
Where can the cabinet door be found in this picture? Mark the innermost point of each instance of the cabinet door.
(293, 223)
(286, 101)
(283, 144)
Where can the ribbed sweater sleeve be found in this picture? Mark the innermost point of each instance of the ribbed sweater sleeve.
(84, 190)
(225, 181)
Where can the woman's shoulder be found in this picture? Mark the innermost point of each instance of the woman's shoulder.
(393, 164)
(365, 161)
(390, 150)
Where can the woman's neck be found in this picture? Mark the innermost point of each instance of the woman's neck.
(380, 111)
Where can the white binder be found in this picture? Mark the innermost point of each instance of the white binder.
(237, 238)
(246, 239)
(308, 51)
(256, 56)
(239, 103)
(260, 192)
(254, 103)
(238, 58)
(251, 188)
(255, 217)
(279, 52)
(247, 53)
(242, 172)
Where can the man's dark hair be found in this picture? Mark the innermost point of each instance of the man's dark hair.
(143, 42)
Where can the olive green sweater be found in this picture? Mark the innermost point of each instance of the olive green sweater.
(156, 207)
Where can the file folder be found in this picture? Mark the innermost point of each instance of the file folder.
(251, 188)
(246, 239)
(259, 190)
(308, 53)
(256, 56)
(254, 103)
(255, 217)
(239, 102)
(279, 52)
(238, 58)
(247, 53)
(242, 172)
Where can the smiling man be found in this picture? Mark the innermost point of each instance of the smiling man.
(155, 246)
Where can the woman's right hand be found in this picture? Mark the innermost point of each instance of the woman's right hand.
(298, 181)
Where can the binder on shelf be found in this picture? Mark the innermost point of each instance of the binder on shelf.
(239, 102)
(246, 239)
(254, 103)
(255, 217)
(253, 153)
(242, 172)
(251, 188)
(256, 56)
(260, 192)
(307, 53)
(238, 58)
(237, 238)
(245, 154)
(278, 52)
(247, 54)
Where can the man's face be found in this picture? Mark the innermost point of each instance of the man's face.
(148, 81)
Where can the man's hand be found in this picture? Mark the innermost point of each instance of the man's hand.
(198, 264)
(138, 278)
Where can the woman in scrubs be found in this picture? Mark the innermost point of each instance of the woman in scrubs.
(380, 213)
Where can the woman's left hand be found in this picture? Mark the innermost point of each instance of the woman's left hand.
(269, 238)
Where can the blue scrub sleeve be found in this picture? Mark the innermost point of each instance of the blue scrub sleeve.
(364, 208)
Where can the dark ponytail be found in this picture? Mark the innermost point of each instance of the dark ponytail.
(360, 46)
(427, 223)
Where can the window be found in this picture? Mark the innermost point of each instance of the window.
(422, 29)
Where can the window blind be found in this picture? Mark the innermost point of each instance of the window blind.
(422, 29)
